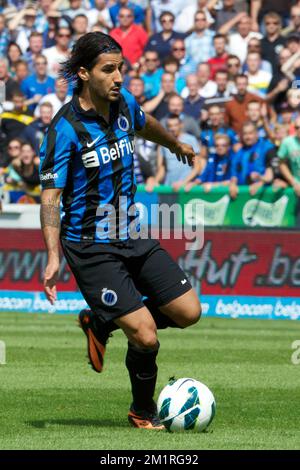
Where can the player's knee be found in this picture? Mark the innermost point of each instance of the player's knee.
(147, 340)
(191, 315)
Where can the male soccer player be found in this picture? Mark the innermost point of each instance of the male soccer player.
(87, 158)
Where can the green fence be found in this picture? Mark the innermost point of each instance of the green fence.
(268, 208)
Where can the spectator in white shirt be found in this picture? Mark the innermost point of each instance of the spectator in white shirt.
(207, 88)
(238, 42)
(258, 79)
(57, 54)
(57, 99)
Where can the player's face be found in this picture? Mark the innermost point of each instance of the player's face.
(105, 78)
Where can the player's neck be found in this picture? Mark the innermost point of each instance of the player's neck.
(88, 101)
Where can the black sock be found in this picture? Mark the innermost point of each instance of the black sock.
(142, 368)
(162, 321)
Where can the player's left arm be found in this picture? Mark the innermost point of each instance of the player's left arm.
(155, 132)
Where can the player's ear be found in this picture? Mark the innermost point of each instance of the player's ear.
(84, 74)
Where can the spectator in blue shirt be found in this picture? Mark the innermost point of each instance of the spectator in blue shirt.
(152, 75)
(249, 163)
(216, 126)
(199, 45)
(139, 14)
(217, 171)
(38, 84)
(186, 64)
(162, 41)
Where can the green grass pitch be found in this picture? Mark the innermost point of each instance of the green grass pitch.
(51, 399)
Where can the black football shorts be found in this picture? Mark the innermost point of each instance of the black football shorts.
(114, 277)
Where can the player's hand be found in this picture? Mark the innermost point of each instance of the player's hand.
(50, 279)
(184, 153)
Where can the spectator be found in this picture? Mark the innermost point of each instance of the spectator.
(199, 44)
(289, 154)
(22, 71)
(233, 66)
(193, 103)
(14, 54)
(226, 18)
(57, 99)
(236, 109)
(238, 42)
(257, 113)
(157, 7)
(172, 65)
(35, 48)
(249, 163)
(138, 12)
(58, 53)
(206, 87)
(254, 45)
(27, 167)
(223, 92)
(152, 75)
(38, 84)
(217, 171)
(41, 22)
(13, 154)
(162, 41)
(272, 43)
(100, 15)
(159, 105)
(10, 85)
(176, 107)
(219, 61)
(132, 37)
(76, 8)
(79, 26)
(4, 36)
(169, 170)
(137, 88)
(258, 80)
(49, 34)
(14, 121)
(145, 156)
(184, 22)
(216, 126)
(186, 65)
(35, 132)
(294, 17)
(280, 82)
(26, 29)
(273, 174)
(259, 8)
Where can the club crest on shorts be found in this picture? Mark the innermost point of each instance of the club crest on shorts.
(123, 123)
(109, 297)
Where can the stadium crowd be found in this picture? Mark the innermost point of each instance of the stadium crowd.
(221, 75)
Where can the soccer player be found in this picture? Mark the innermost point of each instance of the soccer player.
(87, 158)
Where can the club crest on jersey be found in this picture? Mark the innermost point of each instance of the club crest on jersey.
(123, 123)
(109, 297)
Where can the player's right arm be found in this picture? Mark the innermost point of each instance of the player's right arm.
(50, 223)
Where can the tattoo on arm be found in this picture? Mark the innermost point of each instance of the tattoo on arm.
(50, 215)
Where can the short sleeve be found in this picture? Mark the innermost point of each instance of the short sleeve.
(139, 117)
(55, 154)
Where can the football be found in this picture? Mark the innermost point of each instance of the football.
(186, 405)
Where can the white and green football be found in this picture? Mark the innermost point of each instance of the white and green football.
(186, 405)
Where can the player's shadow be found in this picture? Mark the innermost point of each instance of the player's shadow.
(42, 424)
